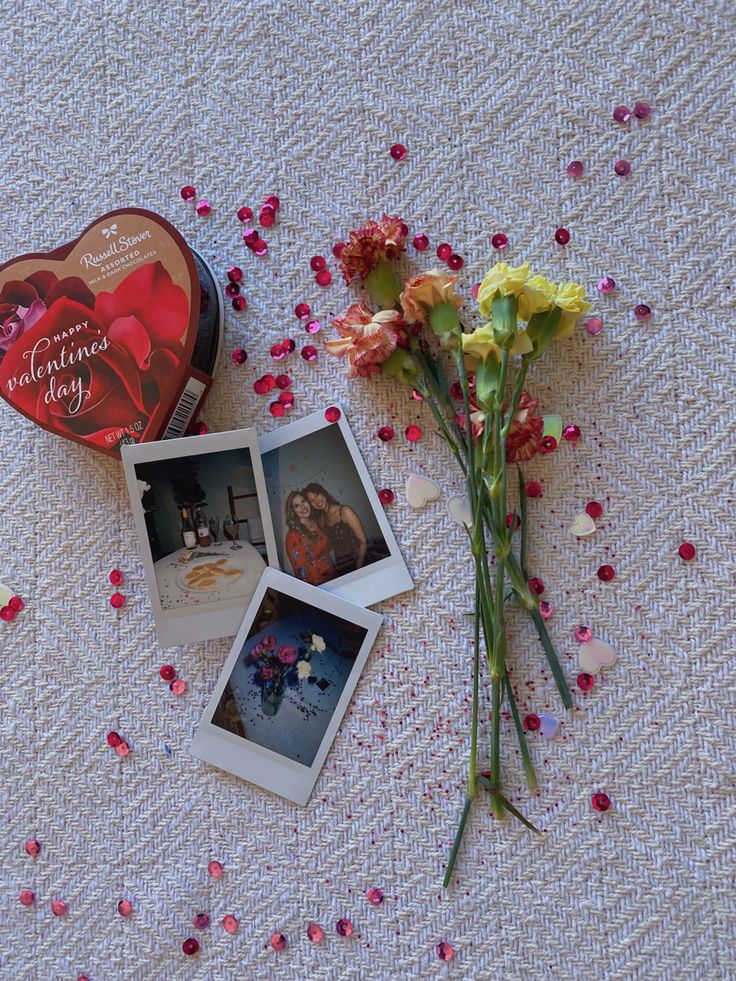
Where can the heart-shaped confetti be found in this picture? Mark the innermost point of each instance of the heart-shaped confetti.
(421, 490)
(596, 654)
(5, 595)
(459, 508)
(552, 427)
(582, 525)
(549, 726)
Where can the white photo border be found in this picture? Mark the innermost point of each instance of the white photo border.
(249, 760)
(209, 620)
(382, 579)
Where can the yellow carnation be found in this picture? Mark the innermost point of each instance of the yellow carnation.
(570, 298)
(480, 343)
(503, 280)
(537, 296)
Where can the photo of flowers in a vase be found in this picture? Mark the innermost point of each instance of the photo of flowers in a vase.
(273, 664)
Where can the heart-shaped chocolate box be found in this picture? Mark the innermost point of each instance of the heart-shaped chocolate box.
(96, 337)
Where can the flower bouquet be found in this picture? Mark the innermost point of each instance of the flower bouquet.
(417, 337)
(278, 664)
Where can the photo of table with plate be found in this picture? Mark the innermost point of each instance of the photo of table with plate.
(219, 572)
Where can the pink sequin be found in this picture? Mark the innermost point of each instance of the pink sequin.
(201, 921)
(398, 151)
(585, 681)
(239, 356)
(332, 414)
(7, 613)
(178, 687)
(302, 311)
(230, 923)
(386, 433)
(323, 278)
(622, 114)
(59, 907)
(420, 242)
(288, 345)
(455, 262)
(687, 551)
(122, 748)
(533, 489)
(26, 897)
(600, 801)
(15, 603)
(33, 847)
(239, 303)
(312, 326)
(278, 941)
(283, 381)
(571, 434)
(413, 433)
(594, 509)
(606, 285)
(532, 722)
(113, 739)
(642, 110)
(315, 933)
(642, 311)
(215, 869)
(278, 352)
(117, 600)
(266, 216)
(582, 634)
(203, 208)
(575, 168)
(594, 325)
(277, 409)
(125, 907)
(317, 263)
(562, 236)
(386, 496)
(286, 399)
(273, 202)
(188, 192)
(116, 577)
(445, 951)
(545, 610)
(622, 168)
(167, 672)
(190, 946)
(344, 927)
(444, 251)
(245, 213)
(536, 586)
(375, 896)
(309, 353)
(499, 242)
(606, 573)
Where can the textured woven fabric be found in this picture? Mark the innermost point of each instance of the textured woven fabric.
(105, 105)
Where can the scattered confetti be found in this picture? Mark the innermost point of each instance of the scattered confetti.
(445, 951)
(460, 511)
(600, 801)
(575, 168)
(606, 573)
(375, 896)
(687, 551)
(344, 927)
(230, 923)
(33, 847)
(595, 654)
(188, 193)
(278, 941)
(583, 525)
(585, 681)
(190, 946)
(26, 897)
(315, 933)
(421, 490)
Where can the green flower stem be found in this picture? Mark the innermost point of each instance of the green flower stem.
(423, 388)
(531, 777)
(523, 510)
(456, 843)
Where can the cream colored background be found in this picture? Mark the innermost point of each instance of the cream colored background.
(108, 104)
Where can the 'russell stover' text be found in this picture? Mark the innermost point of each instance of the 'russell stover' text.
(71, 390)
(120, 244)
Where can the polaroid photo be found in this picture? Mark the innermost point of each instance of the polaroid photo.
(331, 529)
(285, 686)
(204, 525)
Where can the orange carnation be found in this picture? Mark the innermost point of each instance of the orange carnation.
(366, 247)
(428, 290)
(366, 339)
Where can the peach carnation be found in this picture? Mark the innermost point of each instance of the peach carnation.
(428, 290)
(526, 430)
(366, 339)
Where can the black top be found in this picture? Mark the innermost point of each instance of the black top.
(345, 546)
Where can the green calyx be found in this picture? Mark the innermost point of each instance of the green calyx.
(541, 329)
(383, 285)
(503, 316)
(401, 365)
(443, 319)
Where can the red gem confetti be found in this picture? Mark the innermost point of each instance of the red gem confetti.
(545, 610)
(317, 263)
(315, 933)
(533, 489)
(510, 520)
(245, 213)
(201, 921)
(622, 168)
(398, 151)
(499, 241)
(548, 445)
(687, 551)
(286, 399)
(594, 325)
(33, 847)
(198, 429)
(288, 345)
(7, 613)
(273, 202)
(332, 414)
(266, 216)
(575, 168)
(167, 672)
(582, 634)
(642, 311)
(26, 897)
(215, 869)
(15, 603)
(230, 923)
(178, 687)
(585, 681)
(283, 381)
(313, 326)
(375, 896)
(386, 496)
(594, 509)
(278, 941)
(606, 285)
(323, 278)
(386, 433)
(188, 192)
(277, 351)
(622, 114)
(562, 236)
(606, 573)
(337, 249)
(125, 907)
(122, 748)
(239, 355)
(239, 303)
(536, 586)
(113, 739)
(277, 409)
(190, 946)
(260, 247)
(117, 600)
(302, 311)
(532, 722)
(309, 353)
(116, 577)
(344, 927)
(413, 433)
(600, 801)
(571, 434)
(455, 262)
(232, 289)
(445, 951)
(444, 251)
(642, 110)
(203, 208)
(59, 907)
(251, 238)
(420, 242)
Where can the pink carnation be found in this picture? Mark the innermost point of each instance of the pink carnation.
(367, 339)
(287, 654)
(526, 430)
(268, 642)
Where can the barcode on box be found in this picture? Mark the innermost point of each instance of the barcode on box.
(185, 409)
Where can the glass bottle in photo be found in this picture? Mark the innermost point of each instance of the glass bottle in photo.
(230, 530)
(204, 537)
(188, 532)
(214, 528)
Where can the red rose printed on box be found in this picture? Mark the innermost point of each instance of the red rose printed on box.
(88, 365)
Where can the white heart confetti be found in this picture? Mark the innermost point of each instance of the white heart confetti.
(421, 490)
(549, 725)
(596, 654)
(5, 595)
(459, 508)
(582, 525)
